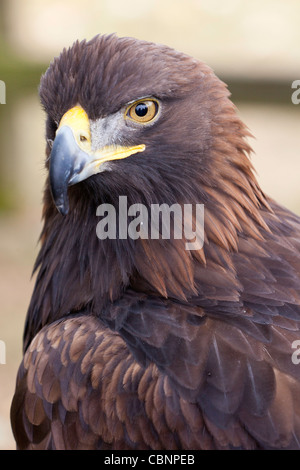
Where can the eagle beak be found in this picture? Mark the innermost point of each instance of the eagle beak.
(72, 159)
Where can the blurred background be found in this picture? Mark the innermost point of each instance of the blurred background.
(253, 46)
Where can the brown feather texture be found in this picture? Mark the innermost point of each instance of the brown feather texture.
(142, 344)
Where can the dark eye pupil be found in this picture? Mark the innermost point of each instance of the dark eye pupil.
(141, 109)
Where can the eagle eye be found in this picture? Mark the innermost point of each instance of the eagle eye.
(142, 111)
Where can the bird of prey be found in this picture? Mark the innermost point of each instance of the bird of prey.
(139, 342)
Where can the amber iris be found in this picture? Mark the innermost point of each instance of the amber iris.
(143, 111)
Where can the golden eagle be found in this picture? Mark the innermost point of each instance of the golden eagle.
(139, 342)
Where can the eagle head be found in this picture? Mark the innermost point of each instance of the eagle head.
(139, 119)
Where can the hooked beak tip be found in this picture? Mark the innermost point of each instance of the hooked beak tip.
(62, 209)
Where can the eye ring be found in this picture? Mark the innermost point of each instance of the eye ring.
(142, 111)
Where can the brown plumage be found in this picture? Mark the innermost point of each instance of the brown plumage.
(142, 344)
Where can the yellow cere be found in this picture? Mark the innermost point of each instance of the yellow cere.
(77, 119)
